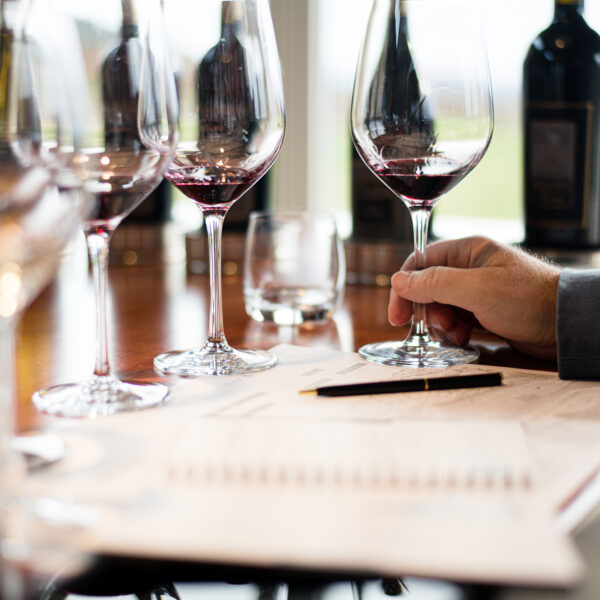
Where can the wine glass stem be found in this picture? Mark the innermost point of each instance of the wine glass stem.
(214, 228)
(97, 243)
(420, 221)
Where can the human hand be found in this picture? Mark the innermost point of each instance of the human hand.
(477, 283)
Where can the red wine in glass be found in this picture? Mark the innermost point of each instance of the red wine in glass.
(217, 186)
(420, 181)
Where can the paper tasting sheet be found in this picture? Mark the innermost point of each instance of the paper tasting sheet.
(460, 484)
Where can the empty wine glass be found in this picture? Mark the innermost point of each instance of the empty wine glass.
(129, 138)
(422, 119)
(232, 125)
(40, 201)
(41, 204)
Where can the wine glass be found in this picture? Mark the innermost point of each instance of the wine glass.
(232, 125)
(130, 136)
(422, 118)
(41, 207)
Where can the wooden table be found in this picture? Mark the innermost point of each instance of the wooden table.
(157, 308)
(161, 307)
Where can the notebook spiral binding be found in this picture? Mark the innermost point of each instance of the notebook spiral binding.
(273, 474)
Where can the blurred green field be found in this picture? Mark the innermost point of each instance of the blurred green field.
(494, 187)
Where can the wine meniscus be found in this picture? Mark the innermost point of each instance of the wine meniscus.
(109, 208)
(421, 181)
(119, 182)
(212, 186)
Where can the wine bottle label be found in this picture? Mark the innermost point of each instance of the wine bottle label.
(558, 152)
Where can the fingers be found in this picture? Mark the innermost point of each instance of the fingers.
(485, 285)
(439, 316)
(458, 287)
(447, 323)
(399, 309)
(458, 334)
(462, 253)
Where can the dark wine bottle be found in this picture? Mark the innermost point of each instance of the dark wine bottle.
(119, 89)
(28, 125)
(6, 60)
(561, 93)
(227, 113)
(120, 96)
(396, 100)
(377, 214)
(397, 106)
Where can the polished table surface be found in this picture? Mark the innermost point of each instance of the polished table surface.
(160, 307)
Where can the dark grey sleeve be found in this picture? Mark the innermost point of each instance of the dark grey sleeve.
(578, 324)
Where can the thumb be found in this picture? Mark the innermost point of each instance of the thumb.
(446, 285)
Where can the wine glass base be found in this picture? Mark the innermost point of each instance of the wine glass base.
(99, 397)
(202, 361)
(407, 353)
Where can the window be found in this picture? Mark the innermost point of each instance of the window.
(319, 42)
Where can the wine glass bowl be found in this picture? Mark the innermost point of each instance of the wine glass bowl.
(129, 109)
(422, 119)
(232, 125)
(41, 204)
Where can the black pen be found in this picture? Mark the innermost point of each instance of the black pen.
(409, 385)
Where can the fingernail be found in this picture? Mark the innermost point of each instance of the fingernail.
(434, 322)
(390, 318)
(452, 337)
(399, 279)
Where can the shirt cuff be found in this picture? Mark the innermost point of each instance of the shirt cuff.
(578, 324)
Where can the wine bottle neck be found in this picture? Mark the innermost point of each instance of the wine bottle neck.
(398, 20)
(130, 22)
(231, 19)
(9, 13)
(565, 8)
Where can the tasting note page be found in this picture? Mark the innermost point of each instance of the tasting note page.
(461, 484)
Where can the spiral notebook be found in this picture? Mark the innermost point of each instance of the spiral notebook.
(458, 484)
(342, 454)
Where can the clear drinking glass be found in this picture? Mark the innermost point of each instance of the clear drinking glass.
(422, 119)
(294, 267)
(130, 134)
(232, 125)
